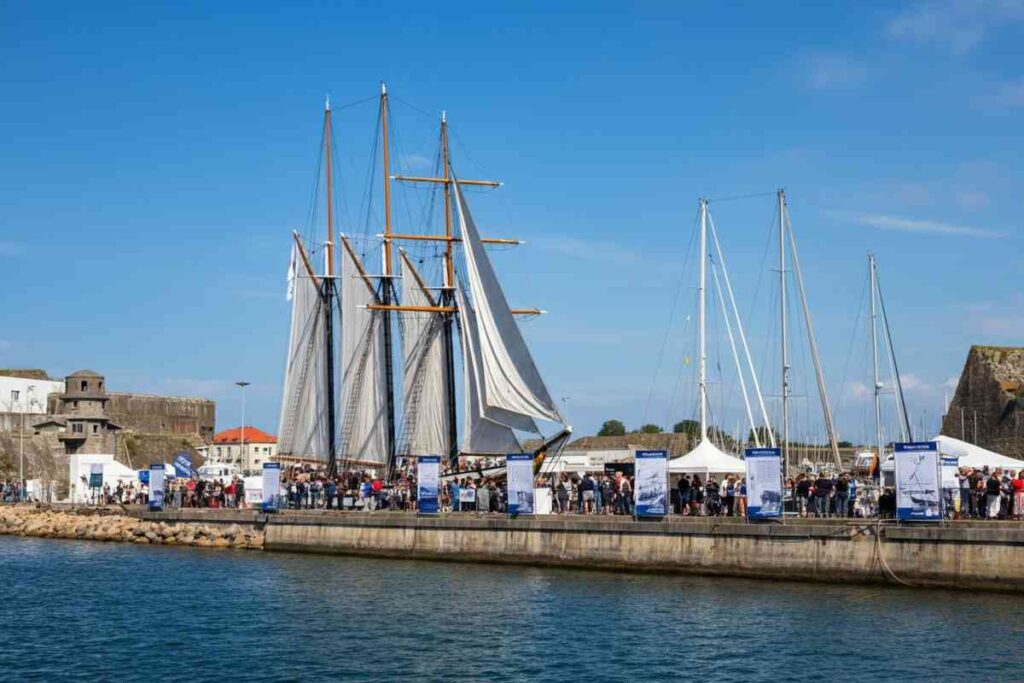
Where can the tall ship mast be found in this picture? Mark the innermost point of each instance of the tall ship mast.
(351, 404)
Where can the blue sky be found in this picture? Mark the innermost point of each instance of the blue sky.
(154, 160)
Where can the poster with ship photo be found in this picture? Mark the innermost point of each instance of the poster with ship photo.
(427, 471)
(918, 489)
(520, 483)
(651, 484)
(764, 482)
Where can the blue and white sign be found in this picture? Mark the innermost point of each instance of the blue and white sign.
(428, 469)
(519, 467)
(183, 466)
(918, 484)
(96, 476)
(156, 486)
(764, 482)
(651, 483)
(271, 486)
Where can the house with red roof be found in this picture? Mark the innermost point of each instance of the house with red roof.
(247, 446)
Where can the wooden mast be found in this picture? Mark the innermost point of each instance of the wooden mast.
(330, 189)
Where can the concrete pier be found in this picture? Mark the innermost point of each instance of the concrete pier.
(972, 555)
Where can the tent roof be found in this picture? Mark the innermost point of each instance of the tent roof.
(707, 458)
(976, 456)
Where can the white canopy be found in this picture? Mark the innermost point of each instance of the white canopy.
(976, 456)
(707, 458)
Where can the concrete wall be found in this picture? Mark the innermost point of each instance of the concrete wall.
(978, 557)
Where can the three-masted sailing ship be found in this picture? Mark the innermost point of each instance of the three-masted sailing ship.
(348, 403)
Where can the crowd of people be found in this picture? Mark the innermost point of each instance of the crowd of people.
(985, 494)
(10, 491)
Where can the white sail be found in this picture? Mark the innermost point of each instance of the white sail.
(502, 377)
(303, 424)
(481, 433)
(364, 436)
(425, 421)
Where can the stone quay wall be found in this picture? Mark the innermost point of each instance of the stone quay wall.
(105, 524)
(957, 556)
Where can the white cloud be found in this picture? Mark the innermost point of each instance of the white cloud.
(415, 162)
(958, 26)
(971, 199)
(914, 225)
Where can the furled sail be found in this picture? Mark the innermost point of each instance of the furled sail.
(303, 427)
(501, 374)
(364, 436)
(425, 419)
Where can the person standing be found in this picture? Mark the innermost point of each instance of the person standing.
(822, 494)
(993, 492)
(842, 495)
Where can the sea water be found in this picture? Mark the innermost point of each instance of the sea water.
(75, 610)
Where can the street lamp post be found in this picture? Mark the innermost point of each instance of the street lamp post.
(241, 454)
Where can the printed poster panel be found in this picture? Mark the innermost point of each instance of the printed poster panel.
(764, 482)
(950, 467)
(918, 487)
(428, 468)
(156, 486)
(96, 476)
(651, 483)
(519, 467)
(271, 486)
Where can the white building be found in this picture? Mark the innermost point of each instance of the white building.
(247, 447)
(23, 395)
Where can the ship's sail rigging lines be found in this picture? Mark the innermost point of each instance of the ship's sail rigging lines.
(503, 394)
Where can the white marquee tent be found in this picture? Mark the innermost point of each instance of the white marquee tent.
(969, 456)
(706, 459)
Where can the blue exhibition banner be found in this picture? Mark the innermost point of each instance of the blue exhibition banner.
(428, 469)
(96, 476)
(651, 483)
(183, 466)
(144, 477)
(519, 471)
(156, 486)
(271, 486)
(764, 482)
(918, 482)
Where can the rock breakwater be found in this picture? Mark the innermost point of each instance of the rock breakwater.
(93, 525)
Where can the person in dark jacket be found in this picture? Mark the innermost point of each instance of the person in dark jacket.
(822, 494)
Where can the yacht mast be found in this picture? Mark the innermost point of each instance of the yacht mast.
(448, 296)
(785, 342)
(879, 438)
(701, 319)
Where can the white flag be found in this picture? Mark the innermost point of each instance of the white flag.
(291, 275)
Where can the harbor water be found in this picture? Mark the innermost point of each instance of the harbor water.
(76, 610)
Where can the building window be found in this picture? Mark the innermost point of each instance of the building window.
(15, 396)
(85, 385)
(77, 428)
(95, 429)
(74, 405)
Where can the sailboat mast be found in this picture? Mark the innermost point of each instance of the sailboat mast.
(386, 288)
(785, 334)
(327, 296)
(879, 439)
(448, 297)
(702, 296)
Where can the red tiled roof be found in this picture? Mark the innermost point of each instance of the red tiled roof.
(252, 435)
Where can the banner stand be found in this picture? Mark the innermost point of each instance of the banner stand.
(918, 474)
(271, 487)
(428, 489)
(521, 493)
(650, 487)
(765, 485)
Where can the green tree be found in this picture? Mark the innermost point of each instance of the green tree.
(688, 427)
(650, 429)
(612, 428)
(845, 444)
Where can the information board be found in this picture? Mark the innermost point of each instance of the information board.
(918, 494)
(519, 467)
(651, 483)
(271, 486)
(764, 482)
(156, 486)
(96, 476)
(428, 469)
